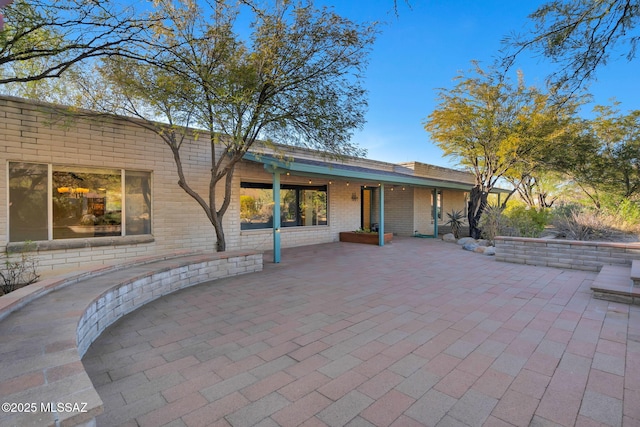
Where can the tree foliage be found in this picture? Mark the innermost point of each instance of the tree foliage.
(296, 80)
(43, 39)
(492, 126)
(602, 155)
(579, 36)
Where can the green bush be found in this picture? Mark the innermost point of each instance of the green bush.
(525, 221)
(629, 211)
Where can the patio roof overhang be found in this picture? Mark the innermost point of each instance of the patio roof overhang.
(317, 168)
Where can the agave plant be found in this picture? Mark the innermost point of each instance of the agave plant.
(456, 219)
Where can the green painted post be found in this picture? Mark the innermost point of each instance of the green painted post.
(381, 225)
(276, 216)
(435, 213)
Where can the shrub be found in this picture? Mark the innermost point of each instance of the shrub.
(584, 225)
(629, 211)
(527, 222)
(20, 271)
(493, 223)
(456, 220)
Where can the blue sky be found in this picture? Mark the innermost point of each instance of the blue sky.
(423, 49)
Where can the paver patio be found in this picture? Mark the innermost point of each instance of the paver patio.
(416, 333)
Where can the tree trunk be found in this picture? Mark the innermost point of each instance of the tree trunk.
(477, 204)
(221, 244)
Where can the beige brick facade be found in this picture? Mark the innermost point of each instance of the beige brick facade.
(38, 133)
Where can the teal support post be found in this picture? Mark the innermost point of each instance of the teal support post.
(435, 213)
(381, 225)
(276, 217)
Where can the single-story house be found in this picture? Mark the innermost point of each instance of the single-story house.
(91, 191)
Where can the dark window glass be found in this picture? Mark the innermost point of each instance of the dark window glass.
(138, 202)
(299, 205)
(27, 202)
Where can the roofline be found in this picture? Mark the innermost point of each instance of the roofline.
(384, 178)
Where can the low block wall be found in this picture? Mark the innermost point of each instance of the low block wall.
(49, 367)
(138, 291)
(574, 254)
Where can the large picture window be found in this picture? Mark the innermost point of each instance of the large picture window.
(66, 202)
(299, 205)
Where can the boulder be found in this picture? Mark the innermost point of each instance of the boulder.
(490, 250)
(470, 246)
(483, 242)
(466, 240)
(480, 249)
(449, 237)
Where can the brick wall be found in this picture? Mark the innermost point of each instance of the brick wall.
(423, 211)
(439, 172)
(398, 211)
(577, 255)
(32, 132)
(39, 133)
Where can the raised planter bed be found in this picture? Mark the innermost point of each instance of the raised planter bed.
(368, 238)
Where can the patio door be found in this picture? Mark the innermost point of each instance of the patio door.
(366, 207)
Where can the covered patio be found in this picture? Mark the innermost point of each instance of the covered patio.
(416, 333)
(373, 186)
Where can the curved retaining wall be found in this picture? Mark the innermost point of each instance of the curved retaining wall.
(62, 325)
(574, 254)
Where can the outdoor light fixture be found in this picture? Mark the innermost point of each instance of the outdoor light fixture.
(354, 197)
(347, 183)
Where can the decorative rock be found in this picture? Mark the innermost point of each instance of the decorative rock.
(466, 240)
(480, 249)
(470, 246)
(490, 250)
(482, 242)
(449, 237)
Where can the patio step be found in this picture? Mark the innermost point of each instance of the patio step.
(617, 283)
(635, 272)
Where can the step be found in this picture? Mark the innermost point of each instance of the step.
(635, 272)
(614, 283)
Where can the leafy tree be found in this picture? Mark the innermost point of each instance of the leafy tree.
(619, 136)
(297, 79)
(602, 156)
(491, 126)
(42, 39)
(579, 36)
(537, 189)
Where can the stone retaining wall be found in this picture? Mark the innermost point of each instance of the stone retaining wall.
(77, 308)
(574, 254)
(138, 291)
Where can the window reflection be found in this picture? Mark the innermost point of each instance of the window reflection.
(86, 204)
(81, 201)
(299, 205)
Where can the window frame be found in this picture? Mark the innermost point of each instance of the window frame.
(49, 242)
(298, 188)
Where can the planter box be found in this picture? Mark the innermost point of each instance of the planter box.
(368, 238)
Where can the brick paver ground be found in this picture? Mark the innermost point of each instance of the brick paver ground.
(416, 333)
